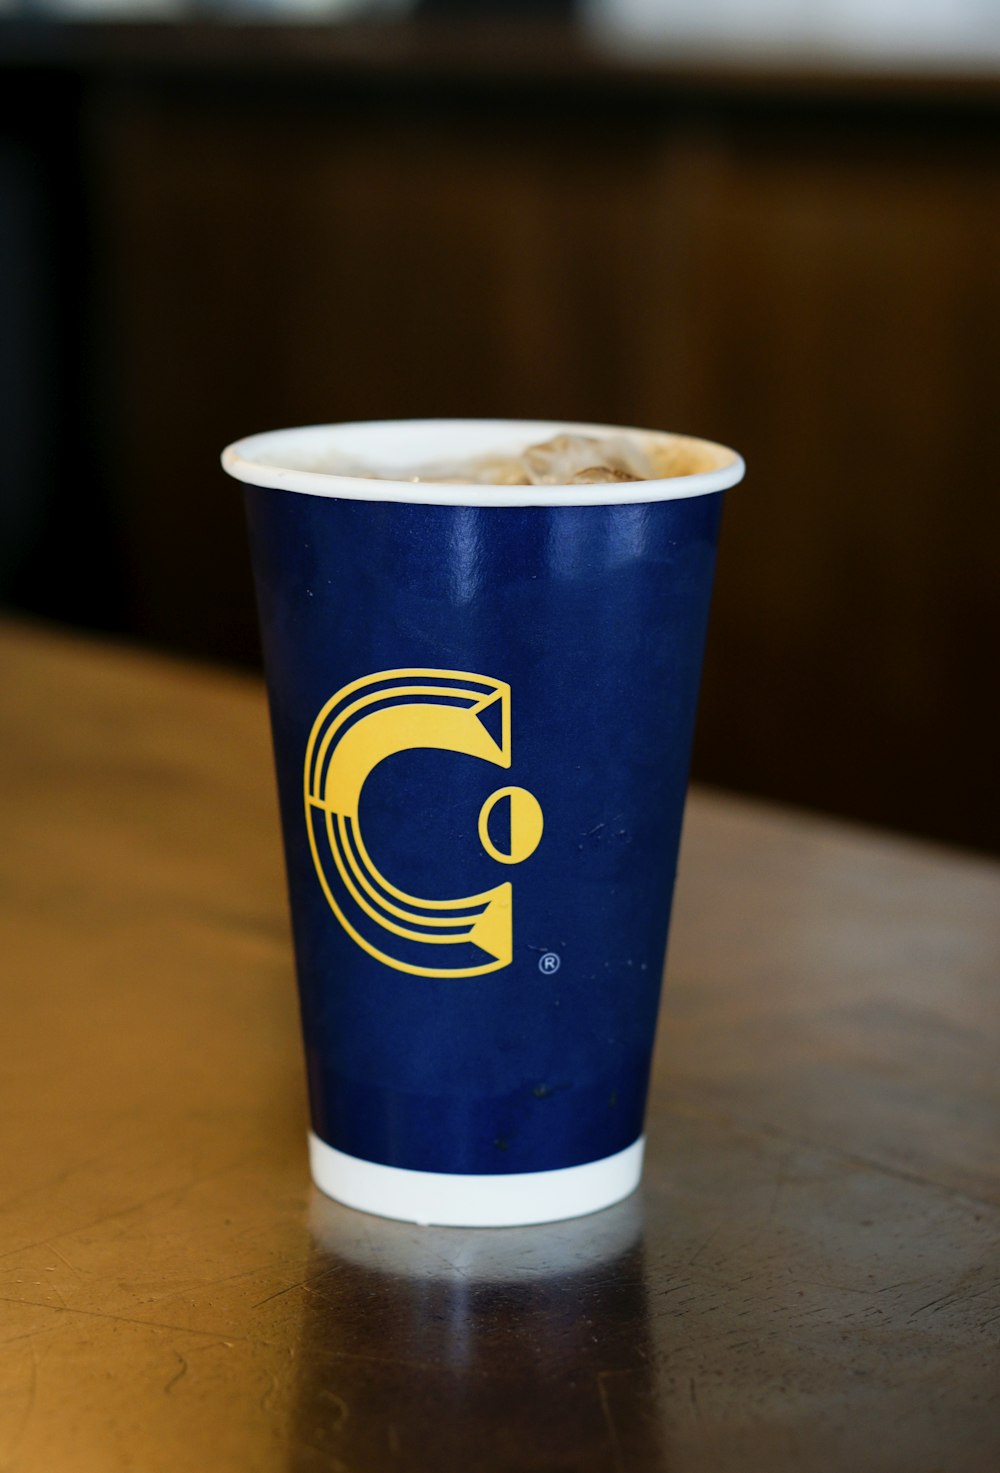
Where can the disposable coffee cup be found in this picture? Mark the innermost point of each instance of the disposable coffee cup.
(482, 701)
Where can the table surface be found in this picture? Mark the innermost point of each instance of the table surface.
(809, 1278)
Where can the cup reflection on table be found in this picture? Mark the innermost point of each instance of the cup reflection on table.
(479, 1349)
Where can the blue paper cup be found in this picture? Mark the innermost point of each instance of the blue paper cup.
(482, 701)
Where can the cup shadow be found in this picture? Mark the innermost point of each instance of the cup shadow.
(483, 1350)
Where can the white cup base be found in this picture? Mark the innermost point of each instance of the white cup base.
(515, 1199)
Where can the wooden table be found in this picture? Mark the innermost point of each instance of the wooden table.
(807, 1281)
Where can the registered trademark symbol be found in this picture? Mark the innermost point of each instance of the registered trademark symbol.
(549, 962)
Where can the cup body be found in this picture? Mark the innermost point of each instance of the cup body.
(482, 719)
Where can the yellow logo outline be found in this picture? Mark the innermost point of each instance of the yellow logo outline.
(363, 723)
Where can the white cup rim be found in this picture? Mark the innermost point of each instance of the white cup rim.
(286, 460)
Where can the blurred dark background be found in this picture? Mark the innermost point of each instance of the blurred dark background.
(788, 241)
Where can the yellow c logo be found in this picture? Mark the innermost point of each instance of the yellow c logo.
(367, 721)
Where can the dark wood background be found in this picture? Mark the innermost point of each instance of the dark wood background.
(241, 230)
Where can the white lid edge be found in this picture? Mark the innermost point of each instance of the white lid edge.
(241, 460)
(444, 1199)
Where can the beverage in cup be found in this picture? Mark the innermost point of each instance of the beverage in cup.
(483, 644)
